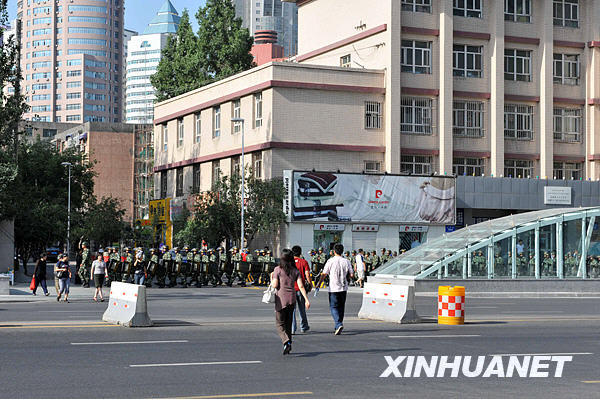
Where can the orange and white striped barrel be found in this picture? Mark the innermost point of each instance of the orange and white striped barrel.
(451, 305)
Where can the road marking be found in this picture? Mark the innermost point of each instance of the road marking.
(244, 395)
(483, 307)
(8, 327)
(195, 364)
(130, 342)
(591, 382)
(544, 354)
(434, 336)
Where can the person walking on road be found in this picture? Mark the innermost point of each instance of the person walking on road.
(302, 266)
(40, 274)
(100, 273)
(360, 267)
(140, 271)
(282, 279)
(64, 277)
(340, 272)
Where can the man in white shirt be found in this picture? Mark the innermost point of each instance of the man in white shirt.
(339, 271)
(360, 267)
(520, 247)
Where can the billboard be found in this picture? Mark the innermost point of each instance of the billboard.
(365, 198)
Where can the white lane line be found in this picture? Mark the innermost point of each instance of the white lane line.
(483, 307)
(533, 311)
(131, 342)
(544, 354)
(195, 364)
(434, 336)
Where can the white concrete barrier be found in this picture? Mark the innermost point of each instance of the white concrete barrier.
(389, 301)
(127, 305)
(4, 285)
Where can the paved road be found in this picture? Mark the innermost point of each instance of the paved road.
(230, 337)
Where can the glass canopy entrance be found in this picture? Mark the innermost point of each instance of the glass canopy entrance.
(551, 243)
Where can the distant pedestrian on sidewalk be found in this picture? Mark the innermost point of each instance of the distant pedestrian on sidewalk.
(40, 274)
(340, 272)
(360, 268)
(302, 266)
(283, 279)
(64, 277)
(99, 272)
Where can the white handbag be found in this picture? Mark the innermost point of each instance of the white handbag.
(269, 295)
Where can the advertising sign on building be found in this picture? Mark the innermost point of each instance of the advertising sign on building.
(364, 198)
(329, 227)
(413, 229)
(557, 195)
(287, 194)
(365, 227)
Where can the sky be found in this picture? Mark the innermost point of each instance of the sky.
(138, 13)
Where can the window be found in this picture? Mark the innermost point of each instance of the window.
(180, 132)
(467, 119)
(72, 118)
(567, 125)
(416, 5)
(257, 164)
(197, 127)
(163, 184)
(415, 164)
(467, 61)
(235, 165)
(73, 62)
(518, 168)
(372, 167)
(216, 172)
(49, 132)
(346, 61)
(467, 8)
(372, 115)
(94, 31)
(517, 65)
(566, 69)
(41, 108)
(467, 166)
(517, 10)
(179, 182)
(566, 13)
(101, 10)
(94, 42)
(236, 112)
(165, 136)
(415, 115)
(196, 178)
(95, 107)
(71, 107)
(216, 121)
(416, 56)
(74, 73)
(568, 170)
(258, 111)
(71, 85)
(93, 20)
(518, 121)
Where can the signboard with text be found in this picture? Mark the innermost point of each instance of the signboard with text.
(557, 195)
(367, 198)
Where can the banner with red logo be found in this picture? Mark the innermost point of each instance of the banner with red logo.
(364, 198)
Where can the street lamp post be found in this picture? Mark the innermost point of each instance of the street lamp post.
(68, 164)
(242, 171)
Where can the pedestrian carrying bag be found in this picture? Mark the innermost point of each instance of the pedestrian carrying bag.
(32, 285)
(269, 295)
(308, 286)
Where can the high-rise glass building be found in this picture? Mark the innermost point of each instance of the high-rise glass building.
(143, 56)
(71, 59)
(276, 15)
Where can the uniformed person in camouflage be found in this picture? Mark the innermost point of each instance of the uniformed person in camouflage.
(321, 260)
(152, 267)
(204, 260)
(375, 261)
(178, 265)
(196, 259)
(224, 266)
(213, 268)
(164, 265)
(236, 260)
(127, 270)
(86, 263)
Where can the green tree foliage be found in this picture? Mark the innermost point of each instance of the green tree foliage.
(102, 221)
(39, 203)
(220, 49)
(217, 214)
(224, 45)
(181, 67)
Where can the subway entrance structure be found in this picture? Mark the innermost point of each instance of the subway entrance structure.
(546, 252)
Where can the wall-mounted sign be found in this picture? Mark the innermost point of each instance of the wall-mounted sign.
(557, 195)
(413, 229)
(329, 227)
(365, 227)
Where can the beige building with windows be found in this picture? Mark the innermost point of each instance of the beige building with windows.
(499, 88)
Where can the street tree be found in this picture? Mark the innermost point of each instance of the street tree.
(224, 44)
(102, 221)
(181, 67)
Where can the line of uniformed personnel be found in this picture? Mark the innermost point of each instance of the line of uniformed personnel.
(190, 267)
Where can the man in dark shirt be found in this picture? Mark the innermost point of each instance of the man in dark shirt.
(304, 269)
(40, 274)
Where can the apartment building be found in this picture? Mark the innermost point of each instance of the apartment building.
(71, 59)
(473, 87)
(143, 57)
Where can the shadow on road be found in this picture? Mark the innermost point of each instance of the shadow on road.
(373, 351)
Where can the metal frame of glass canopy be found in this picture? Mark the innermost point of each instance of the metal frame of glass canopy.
(456, 250)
